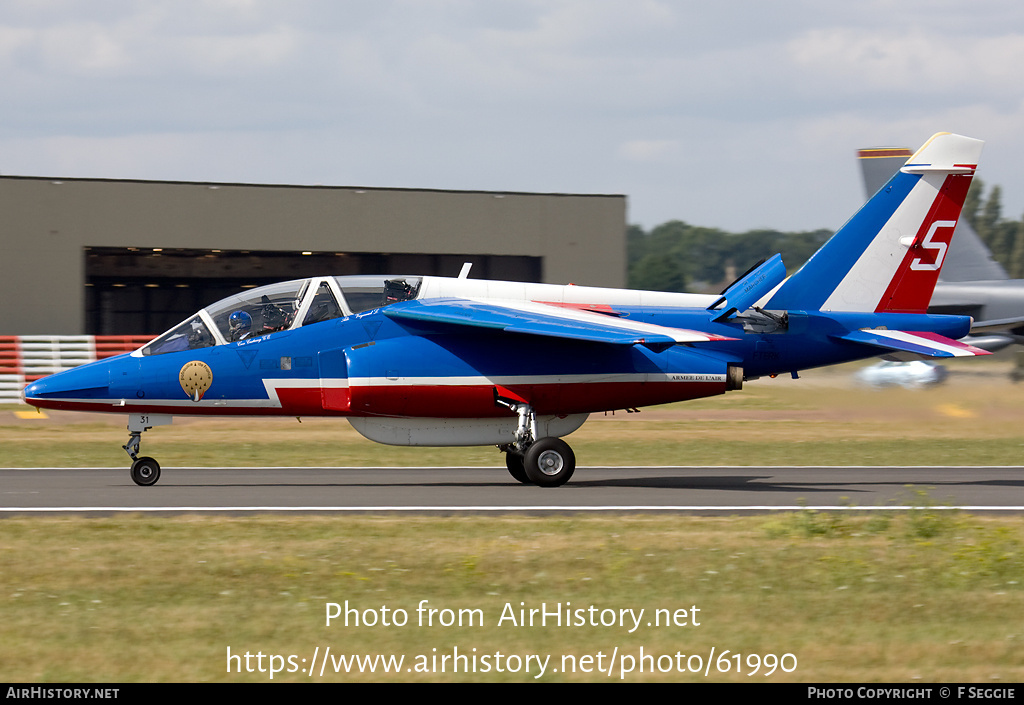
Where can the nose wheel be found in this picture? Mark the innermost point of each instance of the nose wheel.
(145, 471)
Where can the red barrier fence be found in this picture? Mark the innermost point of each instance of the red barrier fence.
(26, 358)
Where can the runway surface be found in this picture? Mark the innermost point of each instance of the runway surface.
(449, 490)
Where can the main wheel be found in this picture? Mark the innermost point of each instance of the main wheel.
(549, 462)
(145, 471)
(514, 463)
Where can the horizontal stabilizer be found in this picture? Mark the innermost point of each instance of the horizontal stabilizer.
(917, 343)
(543, 319)
(750, 288)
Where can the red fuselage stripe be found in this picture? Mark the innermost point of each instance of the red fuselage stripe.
(431, 401)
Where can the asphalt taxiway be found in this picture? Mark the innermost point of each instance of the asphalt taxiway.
(475, 489)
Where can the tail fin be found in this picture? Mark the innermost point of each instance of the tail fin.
(888, 256)
(968, 259)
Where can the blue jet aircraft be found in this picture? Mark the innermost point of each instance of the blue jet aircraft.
(439, 361)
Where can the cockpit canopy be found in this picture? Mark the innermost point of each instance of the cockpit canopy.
(283, 306)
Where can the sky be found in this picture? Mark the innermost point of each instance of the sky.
(727, 114)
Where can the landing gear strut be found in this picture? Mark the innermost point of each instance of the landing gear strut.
(546, 462)
(145, 470)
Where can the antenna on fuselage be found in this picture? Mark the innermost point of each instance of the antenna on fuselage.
(464, 274)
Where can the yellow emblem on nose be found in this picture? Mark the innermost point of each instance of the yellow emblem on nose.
(195, 378)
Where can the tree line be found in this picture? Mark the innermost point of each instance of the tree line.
(677, 256)
(1005, 238)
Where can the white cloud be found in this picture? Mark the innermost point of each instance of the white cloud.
(730, 114)
(914, 61)
(649, 150)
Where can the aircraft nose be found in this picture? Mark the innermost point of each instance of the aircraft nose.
(84, 382)
(39, 389)
(31, 391)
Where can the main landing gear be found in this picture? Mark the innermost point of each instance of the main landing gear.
(145, 471)
(546, 462)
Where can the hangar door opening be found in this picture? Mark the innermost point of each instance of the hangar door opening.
(145, 291)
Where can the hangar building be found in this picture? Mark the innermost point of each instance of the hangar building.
(115, 257)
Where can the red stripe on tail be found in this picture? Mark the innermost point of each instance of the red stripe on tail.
(910, 290)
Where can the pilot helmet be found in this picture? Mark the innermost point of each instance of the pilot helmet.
(239, 322)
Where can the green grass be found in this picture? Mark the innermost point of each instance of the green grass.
(900, 597)
(920, 595)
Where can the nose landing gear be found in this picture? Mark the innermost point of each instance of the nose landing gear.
(145, 471)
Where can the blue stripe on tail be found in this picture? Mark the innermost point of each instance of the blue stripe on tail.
(810, 287)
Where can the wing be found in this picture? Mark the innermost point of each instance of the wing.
(916, 343)
(531, 318)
